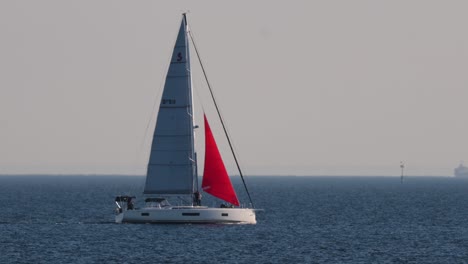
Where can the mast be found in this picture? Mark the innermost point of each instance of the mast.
(191, 110)
(220, 117)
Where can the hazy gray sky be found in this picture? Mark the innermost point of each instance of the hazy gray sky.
(306, 87)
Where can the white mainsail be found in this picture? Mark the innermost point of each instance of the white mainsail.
(172, 162)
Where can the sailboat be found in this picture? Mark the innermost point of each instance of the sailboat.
(172, 167)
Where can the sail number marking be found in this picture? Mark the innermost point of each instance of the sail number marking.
(179, 56)
(168, 101)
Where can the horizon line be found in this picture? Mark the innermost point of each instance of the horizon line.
(235, 175)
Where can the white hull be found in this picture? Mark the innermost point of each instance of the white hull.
(188, 214)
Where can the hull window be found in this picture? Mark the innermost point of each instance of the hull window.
(224, 214)
(190, 214)
(144, 214)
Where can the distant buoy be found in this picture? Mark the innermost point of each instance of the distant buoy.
(402, 166)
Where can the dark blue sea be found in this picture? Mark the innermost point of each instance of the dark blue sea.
(69, 219)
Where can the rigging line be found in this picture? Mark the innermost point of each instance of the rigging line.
(221, 119)
(151, 117)
(156, 102)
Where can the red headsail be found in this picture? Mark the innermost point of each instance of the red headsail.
(215, 178)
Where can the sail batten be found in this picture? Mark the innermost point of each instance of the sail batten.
(215, 177)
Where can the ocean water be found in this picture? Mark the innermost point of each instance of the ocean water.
(69, 219)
